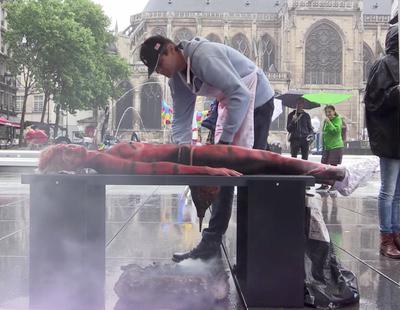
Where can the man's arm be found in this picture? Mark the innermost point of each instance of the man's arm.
(382, 90)
(290, 125)
(183, 104)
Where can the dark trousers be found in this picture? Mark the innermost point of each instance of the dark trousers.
(222, 207)
(297, 145)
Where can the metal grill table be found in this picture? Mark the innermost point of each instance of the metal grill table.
(67, 236)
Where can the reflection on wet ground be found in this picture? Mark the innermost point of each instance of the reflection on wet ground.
(145, 225)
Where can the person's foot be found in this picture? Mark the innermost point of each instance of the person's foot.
(396, 239)
(332, 190)
(322, 188)
(355, 175)
(388, 247)
(204, 250)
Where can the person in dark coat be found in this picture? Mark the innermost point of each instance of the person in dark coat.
(300, 131)
(382, 106)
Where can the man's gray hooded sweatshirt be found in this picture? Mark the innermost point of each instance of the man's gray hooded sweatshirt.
(222, 68)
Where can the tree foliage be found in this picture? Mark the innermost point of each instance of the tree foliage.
(64, 44)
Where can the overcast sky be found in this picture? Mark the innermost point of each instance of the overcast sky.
(121, 10)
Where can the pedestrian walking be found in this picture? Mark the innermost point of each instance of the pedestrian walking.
(301, 132)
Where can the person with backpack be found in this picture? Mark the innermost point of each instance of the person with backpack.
(382, 111)
(332, 140)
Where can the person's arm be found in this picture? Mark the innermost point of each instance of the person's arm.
(334, 125)
(218, 71)
(107, 164)
(183, 106)
(309, 125)
(382, 90)
(290, 125)
(392, 97)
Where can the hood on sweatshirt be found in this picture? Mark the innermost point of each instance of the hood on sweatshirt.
(392, 41)
(189, 47)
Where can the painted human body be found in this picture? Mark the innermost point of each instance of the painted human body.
(142, 158)
(164, 159)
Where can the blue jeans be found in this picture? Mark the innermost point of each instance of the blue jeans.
(222, 207)
(389, 195)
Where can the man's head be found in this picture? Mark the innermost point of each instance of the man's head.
(162, 55)
(300, 105)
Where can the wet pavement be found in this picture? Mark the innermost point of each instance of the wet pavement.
(146, 224)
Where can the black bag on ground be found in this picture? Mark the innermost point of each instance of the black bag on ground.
(328, 285)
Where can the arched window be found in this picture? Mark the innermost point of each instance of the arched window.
(124, 108)
(267, 52)
(213, 38)
(240, 43)
(150, 104)
(368, 59)
(323, 56)
(159, 31)
(183, 34)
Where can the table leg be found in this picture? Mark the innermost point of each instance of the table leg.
(67, 245)
(271, 243)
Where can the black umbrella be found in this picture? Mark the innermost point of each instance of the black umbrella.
(292, 98)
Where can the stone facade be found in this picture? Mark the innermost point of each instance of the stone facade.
(305, 45)
(7, 85)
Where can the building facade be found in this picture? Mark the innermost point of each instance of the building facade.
(8, 89)
(313, 45)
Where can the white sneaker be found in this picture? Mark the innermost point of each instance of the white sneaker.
(355, 175)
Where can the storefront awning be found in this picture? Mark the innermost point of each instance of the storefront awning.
(6, 122)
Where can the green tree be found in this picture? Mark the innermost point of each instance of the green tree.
(65, 51)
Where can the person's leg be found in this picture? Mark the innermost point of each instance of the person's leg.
(220, 215)
(249, 161)
(262, 123)
(396, 211)
(386, 194)
(294, 148)
(304, 149)
(389, 176)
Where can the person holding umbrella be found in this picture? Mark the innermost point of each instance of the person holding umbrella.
(300, 130)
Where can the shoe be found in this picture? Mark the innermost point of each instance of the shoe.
(332, 190)
(204, 250)
(396, 239)
(322, 188)
(388, 247)
(355, 175)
